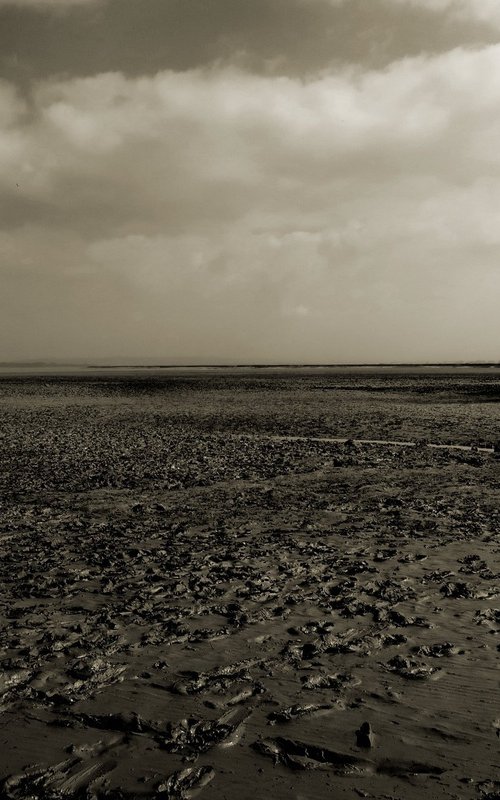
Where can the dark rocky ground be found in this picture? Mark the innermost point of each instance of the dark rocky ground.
(192, 602)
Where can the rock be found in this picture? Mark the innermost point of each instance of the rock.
(364, 736)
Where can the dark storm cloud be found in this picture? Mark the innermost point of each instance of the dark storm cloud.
(40, 38)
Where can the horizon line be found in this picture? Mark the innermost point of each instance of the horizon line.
(241, 365)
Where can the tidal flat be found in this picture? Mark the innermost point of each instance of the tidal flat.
(250, 583)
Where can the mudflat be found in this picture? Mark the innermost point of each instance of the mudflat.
(250, 584)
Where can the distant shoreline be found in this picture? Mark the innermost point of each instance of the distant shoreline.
(75, 371)
(33, 365)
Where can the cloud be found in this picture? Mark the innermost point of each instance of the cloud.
(295, 38)
(46, 4)
(484, 11)
(183, 149)
(215, 213)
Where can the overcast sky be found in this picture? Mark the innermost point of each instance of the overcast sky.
(250, 180)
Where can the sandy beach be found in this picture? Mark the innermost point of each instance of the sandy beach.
(202, 592)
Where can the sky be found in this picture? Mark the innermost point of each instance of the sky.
(249, 181)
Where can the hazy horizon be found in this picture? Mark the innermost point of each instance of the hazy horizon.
(212, 364)
(249, 181)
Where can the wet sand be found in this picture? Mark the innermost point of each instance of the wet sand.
(204, 592)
